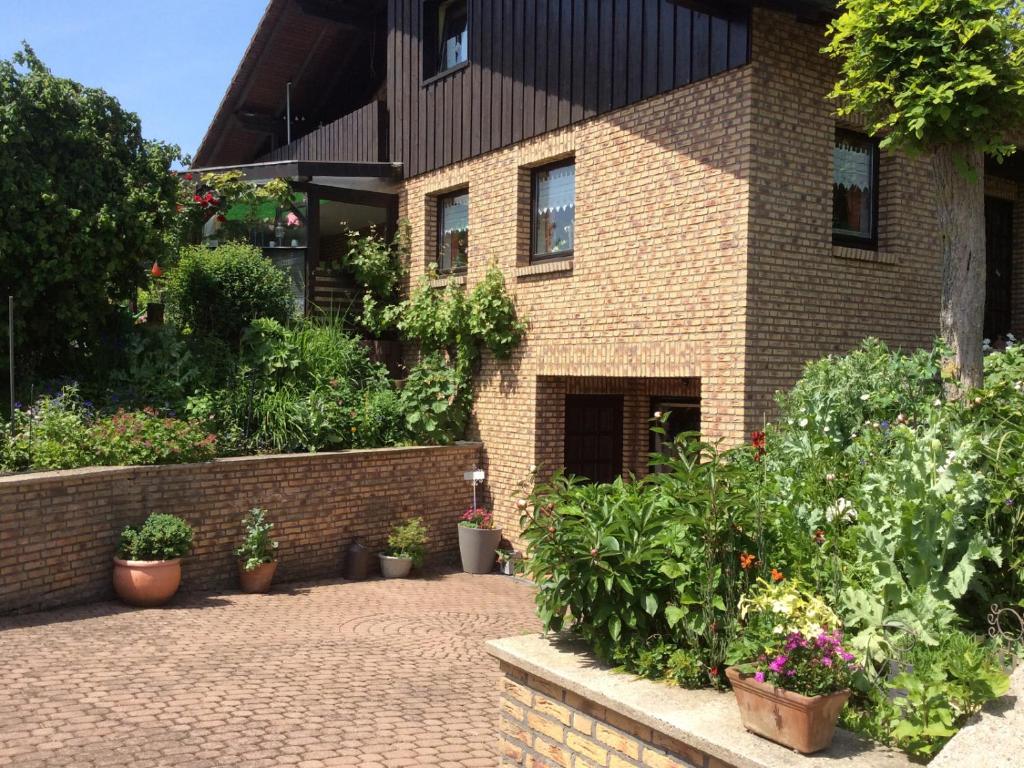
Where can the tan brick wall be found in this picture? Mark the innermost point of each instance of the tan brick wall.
(806, 298)
(657, 285)
(541, 724)
(59, 530)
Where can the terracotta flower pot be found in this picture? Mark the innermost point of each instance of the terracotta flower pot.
(395, 567)
(146, 583)
(803, 723)
(478, 548)
(258, 579)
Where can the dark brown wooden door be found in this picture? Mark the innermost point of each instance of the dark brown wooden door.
(999, 258)
(593, 437)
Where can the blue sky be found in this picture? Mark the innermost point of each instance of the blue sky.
(167, 60)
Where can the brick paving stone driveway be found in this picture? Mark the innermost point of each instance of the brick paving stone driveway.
(373, 674)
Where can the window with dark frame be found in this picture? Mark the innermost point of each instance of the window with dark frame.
(553, 211)
(446, 37)
(453, 232)
(855, 190)
(683, 416)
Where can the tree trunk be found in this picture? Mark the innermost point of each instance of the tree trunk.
(960, 199)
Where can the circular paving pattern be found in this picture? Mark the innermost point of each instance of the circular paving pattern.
(373, 674)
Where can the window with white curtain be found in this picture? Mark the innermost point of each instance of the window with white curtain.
(855, 189)
(452, 232)
(553, 211)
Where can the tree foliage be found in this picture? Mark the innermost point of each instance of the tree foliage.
(925, 73)
(85, 203)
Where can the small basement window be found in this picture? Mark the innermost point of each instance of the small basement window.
(453, 232)
(553, 211)
(855, 190)
(448, 35)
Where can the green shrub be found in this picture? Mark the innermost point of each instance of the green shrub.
(146, 437)
(436, 400)
(161, 537)
(408, 540)
(257, 548)
(218, 292)
(50, 434)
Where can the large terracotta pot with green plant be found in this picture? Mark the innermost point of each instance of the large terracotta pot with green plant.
(257, 556)
(407, 545)
(794, 680)
(147, 567)
(478, 541)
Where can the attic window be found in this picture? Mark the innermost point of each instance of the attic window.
(449, 34)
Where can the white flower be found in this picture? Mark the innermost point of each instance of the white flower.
(830, 478)
(825, 430)
(657, 414)
(533, 468)
(841, 510)
(1010, 338)
(865, 396)
(986, 345)
(937, 403)
(521, 503)
(803, 422)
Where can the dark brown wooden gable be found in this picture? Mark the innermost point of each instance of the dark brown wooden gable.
(538, 65)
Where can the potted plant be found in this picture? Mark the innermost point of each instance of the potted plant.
(257, 557)
(478, 540)
(406, 547)
(509, 561)
(795, 675)
(147, 567)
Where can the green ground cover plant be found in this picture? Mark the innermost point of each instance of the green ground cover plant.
(895, 509)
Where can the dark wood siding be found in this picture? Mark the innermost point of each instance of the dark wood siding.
(537, 65)
(361, 136)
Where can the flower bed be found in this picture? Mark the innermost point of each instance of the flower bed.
(873, 495)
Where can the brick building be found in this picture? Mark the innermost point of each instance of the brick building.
(680, 215)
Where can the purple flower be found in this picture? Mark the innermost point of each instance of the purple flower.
(759, 676)
(778, 663)
(845, 656)
(826, 660)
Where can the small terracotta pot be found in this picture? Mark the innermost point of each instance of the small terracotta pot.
(803, 723)
(258, 579)
(478, 548)
(395, 567)
(146, 583)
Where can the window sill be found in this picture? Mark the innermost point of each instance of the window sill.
(863, 254)
(442, 75)
(442, 281)
(552, 267)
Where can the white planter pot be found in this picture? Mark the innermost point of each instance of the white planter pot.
(395, 567)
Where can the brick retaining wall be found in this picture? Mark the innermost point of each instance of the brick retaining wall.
(58, 530)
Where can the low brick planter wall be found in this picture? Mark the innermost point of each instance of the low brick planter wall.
(59, 530)
(559, 708)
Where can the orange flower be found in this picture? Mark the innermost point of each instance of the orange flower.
(747, 560)
(777, 575)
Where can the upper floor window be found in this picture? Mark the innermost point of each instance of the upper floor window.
(553, 211)
(449, 36)
(453, 232)
(855, 190)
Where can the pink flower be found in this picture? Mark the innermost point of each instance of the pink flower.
(291, 220)
(759, 676)
(778, 663)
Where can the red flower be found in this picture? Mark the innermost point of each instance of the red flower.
(209, 197)
(747, 560)
(714, 671)
(221, 217)
(757, 439)
(819, 537)
(155, 270)
(188, 177)
(777, 575)
(197, 198)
